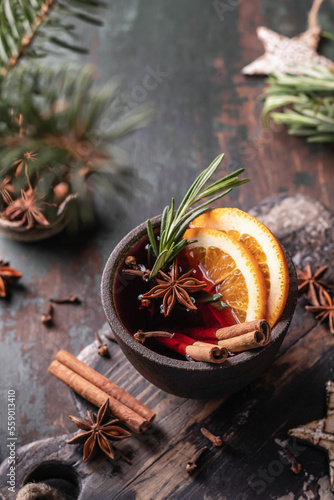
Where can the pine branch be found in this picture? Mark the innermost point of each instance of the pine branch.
(55, 113)
(22, 20)
(307, 100)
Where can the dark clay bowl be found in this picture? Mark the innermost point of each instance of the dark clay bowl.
(184, 378)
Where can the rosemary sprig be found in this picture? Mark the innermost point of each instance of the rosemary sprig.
(307, 101)
(173, 225)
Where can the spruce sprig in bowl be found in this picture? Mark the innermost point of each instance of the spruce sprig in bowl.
(174, 224)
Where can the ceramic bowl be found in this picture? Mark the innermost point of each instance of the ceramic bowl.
(14, 231)
(184, 378)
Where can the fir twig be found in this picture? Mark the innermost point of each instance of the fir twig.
(173, 225)
(55, 113)
(21, 21)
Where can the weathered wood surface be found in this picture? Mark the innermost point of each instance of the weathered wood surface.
(204, 106)
(249, 465)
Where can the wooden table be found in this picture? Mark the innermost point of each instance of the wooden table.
(204, 106)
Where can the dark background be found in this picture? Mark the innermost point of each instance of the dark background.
(204, 106)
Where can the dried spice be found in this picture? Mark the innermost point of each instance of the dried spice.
(8, 275)
(173, 288)
(27, 209)
(325, 310)
(73, 299)
(98, 431)
(141, 336)
(215, 440)
(22, 163)
(295, 466)
(131, 262)
(102, 348)
(47, 318)
(310, 283)
(320, 432)
(5, 189)
(192, 465)
(110, 337)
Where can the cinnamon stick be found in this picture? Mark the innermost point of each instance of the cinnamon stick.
(241, 328)
(199, 351)
(97, 397)
(105, 384)
(250, 340)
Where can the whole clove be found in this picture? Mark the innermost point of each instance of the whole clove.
(102, 348)
(131, 262)
(192, 465)
(73, 299)
(110, 337)
(141, 336)
(47, 318)
(295, 466)
(137, 272)
(215, 440)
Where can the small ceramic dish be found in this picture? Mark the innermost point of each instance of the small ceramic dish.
(185, 378)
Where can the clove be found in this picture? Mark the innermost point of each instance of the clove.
(47, 318)
(73, 299)
(102, 348)
(137, 272)
(192, 465)
(145, 303)
(110, 337)
(141, 336)
(215, 440)
(295, 466)
(131, 262)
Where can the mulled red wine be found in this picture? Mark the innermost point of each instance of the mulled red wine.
(128, 291)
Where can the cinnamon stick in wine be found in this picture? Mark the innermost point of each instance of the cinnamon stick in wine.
(105, 384)
(227, 332)
(199, 351)
(241, 328)
(250, 340)
(97, 397)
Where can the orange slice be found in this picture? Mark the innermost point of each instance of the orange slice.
(264, 247)
(231, 269)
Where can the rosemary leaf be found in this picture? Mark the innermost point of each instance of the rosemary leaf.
(174, 224)
(151, 237)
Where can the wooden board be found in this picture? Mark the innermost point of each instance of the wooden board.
(249, 464)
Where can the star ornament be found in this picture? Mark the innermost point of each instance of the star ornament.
(321, 432)
(285, 55)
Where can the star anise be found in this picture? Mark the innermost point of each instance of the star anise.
(324, 310)
(98, 430)
(173, 288)
(5, 189)
(22, 163)
(27, 209)
(8, 275)
(310, 282)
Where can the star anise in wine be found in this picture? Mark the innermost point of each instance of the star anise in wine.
(324, 310)
(98, 431)
(27, 209)
(311, 283)
(174, 288)
(8, 275)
